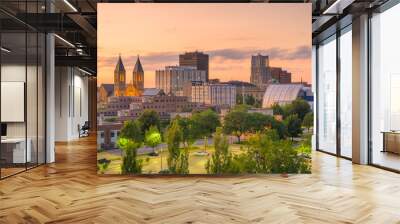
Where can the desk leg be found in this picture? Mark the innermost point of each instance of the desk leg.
(384, 142)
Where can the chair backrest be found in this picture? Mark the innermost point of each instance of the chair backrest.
(86, 125)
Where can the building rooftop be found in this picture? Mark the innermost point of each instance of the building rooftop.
(177, 67)
(153, 92)
(281, 94)
(240, 83)
(109, 88)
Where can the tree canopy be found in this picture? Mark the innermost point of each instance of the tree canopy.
(152, 137)
(308, 120)
(293, 124)
(131, 130)
(205, 122)
(147, 119)
(236, 122)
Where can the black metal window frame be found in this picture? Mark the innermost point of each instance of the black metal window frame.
(339, 31)
(389, 4)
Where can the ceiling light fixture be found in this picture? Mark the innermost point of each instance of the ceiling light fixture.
(337, 7)
(84, 71)
(64, 40)
(70, 5)
(5, 50)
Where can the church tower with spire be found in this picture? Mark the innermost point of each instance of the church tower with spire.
(119, 78)
(138, 77)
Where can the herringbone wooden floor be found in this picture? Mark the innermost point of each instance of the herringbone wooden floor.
(70, 191)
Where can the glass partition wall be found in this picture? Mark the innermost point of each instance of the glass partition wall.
(327, 95)
(346, 95)
(22, 77)
(385, 89)
(334, 94)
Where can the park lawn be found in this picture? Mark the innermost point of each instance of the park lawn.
(152, 164)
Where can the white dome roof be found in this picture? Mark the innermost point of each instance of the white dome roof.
(281, 94)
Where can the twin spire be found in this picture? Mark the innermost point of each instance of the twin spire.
(120, 65)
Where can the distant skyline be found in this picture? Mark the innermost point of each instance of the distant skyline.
(229, 33)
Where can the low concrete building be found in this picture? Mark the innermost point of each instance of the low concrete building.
(107, 134)
(244, 89)
(163, 104)
(105, 91)
(115, 104)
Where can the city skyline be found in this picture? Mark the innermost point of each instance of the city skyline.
(230, 53)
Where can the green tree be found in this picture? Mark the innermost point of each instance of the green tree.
(131, 130)
(257, 104)
(152, 137)
(130, 163)
(239, 98)
(267, 154)
(293, 124)
(242, 107)
(258, 122)
(236, 122)
(299, 107)
(190, 132)
(102, 165)
(249, 100)
(220, 161)
(204, 124)
(183, 162)
(149, 118)
(308, 120)
(178, 162)
(280, 128)
(277, 109)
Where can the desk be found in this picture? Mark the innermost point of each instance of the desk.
(391, 141)
(13, 150)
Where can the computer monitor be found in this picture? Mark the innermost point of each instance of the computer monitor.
(3, 129)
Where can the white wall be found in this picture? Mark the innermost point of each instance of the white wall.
(12, 73)
(71, 103)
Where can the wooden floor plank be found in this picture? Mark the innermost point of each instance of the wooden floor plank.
(70, 191)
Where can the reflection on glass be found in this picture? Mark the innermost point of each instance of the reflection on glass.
(346, 94)
(327, 96)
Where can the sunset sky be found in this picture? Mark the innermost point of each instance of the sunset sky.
(229, 33)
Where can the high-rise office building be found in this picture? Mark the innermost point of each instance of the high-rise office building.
(279, 75)
(173, 78)
(119, 78)
(260, 75)
(214, 94)
(195, 59)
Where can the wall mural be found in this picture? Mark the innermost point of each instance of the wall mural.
(216, 89)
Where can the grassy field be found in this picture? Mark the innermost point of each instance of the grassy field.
(152, 164)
